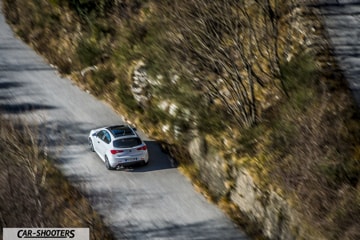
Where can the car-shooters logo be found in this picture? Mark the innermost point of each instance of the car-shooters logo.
(51, 233)
(46, 233)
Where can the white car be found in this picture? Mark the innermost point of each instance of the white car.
(118, 146)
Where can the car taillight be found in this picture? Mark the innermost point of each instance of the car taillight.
(116, 151)
(142, 148)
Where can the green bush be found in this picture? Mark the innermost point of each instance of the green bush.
(88, 52)
(105, 76)
(126, 98)
(211, 119)
(155, 117)
(101, 80)
(299, 76)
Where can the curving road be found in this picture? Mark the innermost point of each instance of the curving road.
(151, 202)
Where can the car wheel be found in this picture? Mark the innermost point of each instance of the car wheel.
(91, 145)
(107, 164)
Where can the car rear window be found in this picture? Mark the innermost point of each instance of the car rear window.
(120, 130)
(127, 142)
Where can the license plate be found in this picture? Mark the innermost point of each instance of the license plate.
(130, 159)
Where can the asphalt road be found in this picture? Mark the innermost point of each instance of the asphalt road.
(342, 22)
(150, 202)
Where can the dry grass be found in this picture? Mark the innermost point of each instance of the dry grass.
(307, 145)
(33, 193)
(311, 152)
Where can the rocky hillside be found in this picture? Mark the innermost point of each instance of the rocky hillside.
(247, 97)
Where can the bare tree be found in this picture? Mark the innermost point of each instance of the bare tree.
(276, 15)
(232, 47)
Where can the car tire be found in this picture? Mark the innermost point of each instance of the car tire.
(107, 164)
(91, 145)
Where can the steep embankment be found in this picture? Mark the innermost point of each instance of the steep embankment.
(252, 102)
(152, 201)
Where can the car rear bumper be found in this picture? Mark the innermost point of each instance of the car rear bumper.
(124, 162)
(127, 164)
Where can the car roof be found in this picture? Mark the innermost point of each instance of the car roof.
(121, 130)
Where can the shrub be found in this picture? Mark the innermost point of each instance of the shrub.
(126, 98)
(100, 80)
(88, 52)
